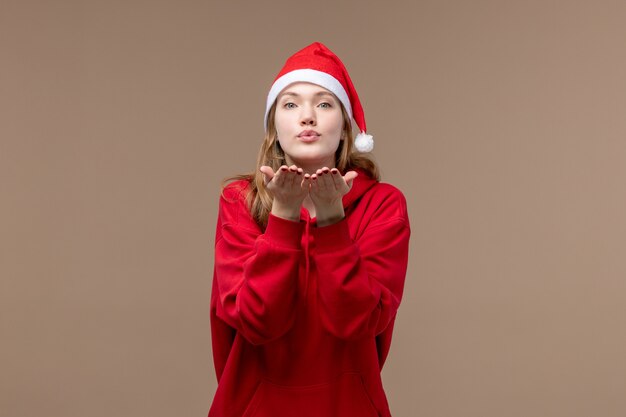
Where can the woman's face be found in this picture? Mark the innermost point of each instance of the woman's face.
(309, 125)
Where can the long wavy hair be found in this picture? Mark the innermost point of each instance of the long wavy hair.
(260, 200)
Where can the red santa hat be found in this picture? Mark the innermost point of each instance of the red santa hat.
(319, 65)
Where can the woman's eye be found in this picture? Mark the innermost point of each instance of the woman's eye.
(325, 105)
(289, 105)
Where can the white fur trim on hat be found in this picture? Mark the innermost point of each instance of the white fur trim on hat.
(364, 142)
(308, 75)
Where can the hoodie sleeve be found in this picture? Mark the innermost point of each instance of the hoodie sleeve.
(361, 281)
(255, 274)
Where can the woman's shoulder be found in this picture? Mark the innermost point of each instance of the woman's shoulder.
(235, 190)
(233, 206)
(388, 189)
(387, 202)
(233, 197)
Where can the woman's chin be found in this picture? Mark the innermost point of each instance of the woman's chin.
(313, 160)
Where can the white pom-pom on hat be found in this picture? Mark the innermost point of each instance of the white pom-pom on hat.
(319, 65)
(364, 142)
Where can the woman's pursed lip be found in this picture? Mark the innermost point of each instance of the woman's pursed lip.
(308, 138)
(308, 133)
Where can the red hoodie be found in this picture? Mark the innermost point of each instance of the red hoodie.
(302, 316)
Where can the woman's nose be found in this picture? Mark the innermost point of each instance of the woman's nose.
(308, 116)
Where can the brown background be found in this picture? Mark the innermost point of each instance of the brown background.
(503, 123)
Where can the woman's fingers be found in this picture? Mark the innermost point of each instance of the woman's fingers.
(316, 181)
(279, 179)
(268, 173)
(343, 183)
(329, 185)
(337, 179)
(288, 183)
(325, 183)
(322, 183)
(350, 175)
(290, 179)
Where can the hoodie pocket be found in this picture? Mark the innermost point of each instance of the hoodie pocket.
(345, 396)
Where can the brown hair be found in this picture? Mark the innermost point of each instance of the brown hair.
(259, 199)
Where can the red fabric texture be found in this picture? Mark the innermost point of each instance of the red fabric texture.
(302, 316)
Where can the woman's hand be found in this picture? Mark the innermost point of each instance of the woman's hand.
(327, 189)
(288, 188)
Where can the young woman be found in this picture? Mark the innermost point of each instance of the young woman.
(310, 258)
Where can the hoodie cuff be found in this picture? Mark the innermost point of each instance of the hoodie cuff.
(332, 237)
(284, 232)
